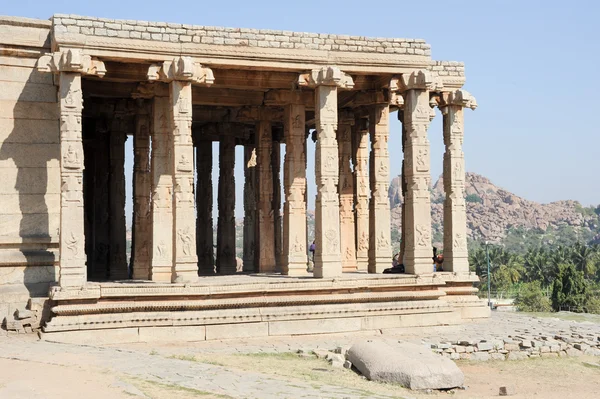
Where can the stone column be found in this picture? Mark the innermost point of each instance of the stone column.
(117, 269)
(249, 206)
(204, 206)
(73, 271)
(185, 260)
(328, 262)
(404, 189)
(380, 250)
(265, 235)
(226, 263)
(277, 227)
(418, 248)
(361, 208)
(346, 193)
(142, 227)
(294, 180)
(456, 256)
(162, 192)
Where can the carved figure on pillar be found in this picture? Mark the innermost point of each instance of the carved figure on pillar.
(418, 248)
(294, 180)
(456, 256)
(346, 193)
(328, 262)
(380, 250)
(70, 65)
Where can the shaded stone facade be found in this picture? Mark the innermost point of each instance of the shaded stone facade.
(239, 87)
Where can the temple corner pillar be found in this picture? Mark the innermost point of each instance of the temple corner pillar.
(346, 193)
(265, 223)
(456, 256)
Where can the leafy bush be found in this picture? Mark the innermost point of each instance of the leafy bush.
(531, 298)
(569, 290)
(474, 198)
(593, 305)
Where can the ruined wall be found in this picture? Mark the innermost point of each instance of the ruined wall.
(266, 38)
(29, 165)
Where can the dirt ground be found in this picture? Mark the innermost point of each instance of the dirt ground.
(270, 368)
(561, 378)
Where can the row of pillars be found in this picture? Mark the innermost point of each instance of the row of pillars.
(165, 223)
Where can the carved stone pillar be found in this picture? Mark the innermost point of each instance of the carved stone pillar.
(327, 206)
(184, 220)
(249, 207)
(265, 235)
(162, 192)
(404, 189)
(277, 227)
(226, 263)
(456, 256)
(418, 248)
(142, 227)
(380, 250)
(180, 73)
(117, 269)
(346, 193)
(294, 180)
(73, 271)
(204, 206)
(361, 187)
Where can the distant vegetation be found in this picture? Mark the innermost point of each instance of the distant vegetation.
(561, 278)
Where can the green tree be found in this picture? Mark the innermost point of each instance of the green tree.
(569, 290)
(531, 298)
(584, 258)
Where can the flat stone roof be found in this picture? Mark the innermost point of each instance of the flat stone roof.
(265, 38)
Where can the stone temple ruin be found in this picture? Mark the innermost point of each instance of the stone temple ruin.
(74, 88)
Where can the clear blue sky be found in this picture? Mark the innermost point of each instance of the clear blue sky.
(532, 65)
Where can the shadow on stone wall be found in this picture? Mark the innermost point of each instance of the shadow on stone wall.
(32, 148)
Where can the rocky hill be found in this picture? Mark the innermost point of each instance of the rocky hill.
(493, 213)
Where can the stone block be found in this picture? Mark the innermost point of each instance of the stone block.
(172, 334)
(93, 337)
(511, 347)
(242, 330)
(460, 349)
(484, 346)
(297, 327)
(321, 353)
(549, 354)
(581, 347)
(410, 365)
(574, 352)
(480, 356)
(507, 391)
(497, 356)
(526, 344)
(517, 356)
(347, 364)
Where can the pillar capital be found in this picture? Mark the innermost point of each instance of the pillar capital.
(72, 60)
(420, 80)
(183, 69)
(326, 76)
(461, 98)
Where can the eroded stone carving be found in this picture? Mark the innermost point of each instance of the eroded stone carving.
(182, 69)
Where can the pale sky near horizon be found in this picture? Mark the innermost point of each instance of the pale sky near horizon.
(532, 65)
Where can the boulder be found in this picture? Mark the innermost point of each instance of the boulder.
(410, 365)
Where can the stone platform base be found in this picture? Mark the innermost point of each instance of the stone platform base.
(258, 306)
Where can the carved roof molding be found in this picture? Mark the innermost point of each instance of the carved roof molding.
(72, 60)
(181, 68)
(326, 76)
(420, 80)
(462, 98)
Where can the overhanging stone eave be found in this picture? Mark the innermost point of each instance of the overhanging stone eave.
(134, 50)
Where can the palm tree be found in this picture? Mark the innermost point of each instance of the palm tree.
(538, 267)
(584, 258)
